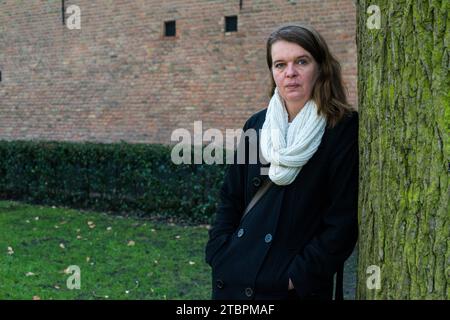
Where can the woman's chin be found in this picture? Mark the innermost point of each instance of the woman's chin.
(294, 97)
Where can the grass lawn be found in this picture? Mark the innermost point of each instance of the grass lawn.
(118, 257)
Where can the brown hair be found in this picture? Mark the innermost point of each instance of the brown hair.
(329, 91)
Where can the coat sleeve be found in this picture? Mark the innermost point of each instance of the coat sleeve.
(231, 203)
(329, 249)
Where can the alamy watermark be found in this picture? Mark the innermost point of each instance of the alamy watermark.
(240, 147)
(374, 21)
(374, 280)
(74, 20)
(74, 281)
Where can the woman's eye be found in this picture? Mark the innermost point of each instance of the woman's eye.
(302, 61)
(279, 65)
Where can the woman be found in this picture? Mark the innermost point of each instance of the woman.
(292, 242)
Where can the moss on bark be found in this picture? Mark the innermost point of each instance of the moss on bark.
(403, 87)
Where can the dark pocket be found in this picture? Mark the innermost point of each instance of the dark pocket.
(292, 295)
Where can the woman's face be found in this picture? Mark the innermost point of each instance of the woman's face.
(294, 71)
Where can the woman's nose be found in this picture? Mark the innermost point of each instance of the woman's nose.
(290, 71)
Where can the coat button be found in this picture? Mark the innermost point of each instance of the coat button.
(268, 238)
(248, 292)
(219, 284)
(240, 232)
(256, 182)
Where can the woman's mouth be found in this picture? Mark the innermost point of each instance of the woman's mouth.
(292, 86)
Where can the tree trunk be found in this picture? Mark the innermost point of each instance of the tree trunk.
(403, 86)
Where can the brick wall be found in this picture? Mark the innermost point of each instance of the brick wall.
(118, 78)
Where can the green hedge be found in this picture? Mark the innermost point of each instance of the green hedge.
(120, 177)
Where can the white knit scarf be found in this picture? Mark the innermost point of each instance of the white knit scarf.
(288, 149)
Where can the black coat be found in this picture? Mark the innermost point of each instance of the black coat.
(303, 231)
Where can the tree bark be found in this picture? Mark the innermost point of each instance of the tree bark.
(403, 87)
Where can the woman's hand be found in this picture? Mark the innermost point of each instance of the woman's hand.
(291, 285)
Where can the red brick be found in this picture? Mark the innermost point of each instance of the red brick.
(118, 78)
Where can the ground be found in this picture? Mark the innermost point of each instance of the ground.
(118, 257)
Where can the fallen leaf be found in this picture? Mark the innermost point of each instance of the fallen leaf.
(92, 226)
(27, 221)
(53, 207)
(56, 227)
(152, 230)
(29, 274)
(191, 263)
(10, 251)
(36, 218)
(109, 229)
(177, 237)
(87, 259)
(90, 222)
(78, 230)
(36, 298)
(156, 261)
(61, 245)
(127, 292)
(79, 237)
(131, 243)
(57, 287)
